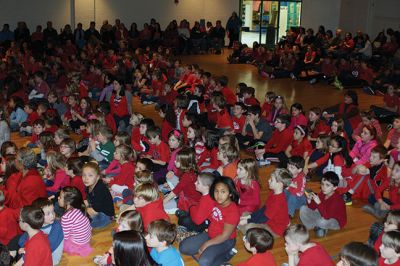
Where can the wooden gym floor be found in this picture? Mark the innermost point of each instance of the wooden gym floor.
(294, 91)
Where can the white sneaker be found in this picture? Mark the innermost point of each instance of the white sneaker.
(263, 162)
(145, 102)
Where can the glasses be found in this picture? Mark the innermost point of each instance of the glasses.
(64, 147)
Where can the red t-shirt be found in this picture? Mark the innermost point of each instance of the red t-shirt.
(230, 97)
(300, 181)
(38, 251)
(299, 148)
(160, 152)
(277, 213)
(119, 107)
(125, 177)
(391, 101)
(238, 123)
(315, 256)
(260, 259)
(77, 182)
(333, 207)
(220, 216)
(32, 117)
(165, 129)
(249, 196)
(279, 141)
(151, 212)
(187, 189)
(224, 120)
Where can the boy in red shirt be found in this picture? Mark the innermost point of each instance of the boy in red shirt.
(224, 120)
(238, 119)
(141, 143)
(37, 248)
(159, 151)
(273, 216)
(229, 95)
(258, 241)
(8, 222)
(249, 98)
(295, 192)
(302, 252)
(325, 210)
(26, 127)
(38, 127)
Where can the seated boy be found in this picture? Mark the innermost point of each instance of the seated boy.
(366, 179)
(26, 127)
(103, 152)
(302, 252)
(38, 127)
(295, 192)
(160, 236)
(326, 210)
(140, 142)
(273, 216)
(51, 227)
(390, 249)
(37, 247)
(238, 118)
(258, 241)
(159, 151)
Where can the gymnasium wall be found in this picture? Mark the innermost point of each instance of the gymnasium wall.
(59, 11)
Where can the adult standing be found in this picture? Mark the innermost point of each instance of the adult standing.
(233, 28)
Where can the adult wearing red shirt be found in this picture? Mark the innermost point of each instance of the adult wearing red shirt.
(30, 185)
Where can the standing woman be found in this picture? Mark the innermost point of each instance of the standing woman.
(233, 28)
(120, 105)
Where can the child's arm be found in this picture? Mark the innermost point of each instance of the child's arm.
(56, 185)
(288, 151)
(227, 231)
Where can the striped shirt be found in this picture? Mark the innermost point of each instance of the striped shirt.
(107, 150)
(76, 227)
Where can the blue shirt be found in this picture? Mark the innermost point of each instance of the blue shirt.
(167, 257)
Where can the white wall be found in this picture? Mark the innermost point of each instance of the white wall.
(36, 12)
(384, 14)
(320, 12)
(354, 15)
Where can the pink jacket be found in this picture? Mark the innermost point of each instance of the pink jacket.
(361, 151)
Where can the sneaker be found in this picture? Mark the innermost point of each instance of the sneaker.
(347, 198)
(320, 233)
(368, 90)
(150, 102)
(292, 76)
(313, 81)
(263, 162)
(145, 102)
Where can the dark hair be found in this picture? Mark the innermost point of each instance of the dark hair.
(331, 177)
(19, 103)
(133, 219)
(298, 106)
(163, 230)
(234, 195)
(254, 109)
(130, 249)
(169, 112)
(148, 122)
(73, 197)
(223, 81)
(10, 165)
(359, 254)
(284, 118)
(6, 145)
(152, 132)
(104, 107)
(5, 258)
(34, 216)
(353, 95)
(42, 202)
(297, 161)
(260, 239)
(212, 139)
(381, 150)
(146, 161)
(342, 143)
(75, 164)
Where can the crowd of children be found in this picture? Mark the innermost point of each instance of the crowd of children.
(89, 158)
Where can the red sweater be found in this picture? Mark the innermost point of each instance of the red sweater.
(249, 196)
(125, 177)
(32, 117)
(199, 213)
(279, 141)
(277, 213)
(299, 148)
(260, 259)
(160, 152)
(119, 107)
(38, 251)
(333, 207)
(77, 182)
(230, 97)
(188, 195)
(111, 122)
(151, 212)
(315, 256)
(9, 227)
(29, 188)
(394, 195)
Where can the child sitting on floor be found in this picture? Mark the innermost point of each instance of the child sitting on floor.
(390, 249)
(295, 192)
(327, 209)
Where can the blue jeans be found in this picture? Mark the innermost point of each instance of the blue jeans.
(258, 216)
(100, 220)
(214, 255)
(294, 202)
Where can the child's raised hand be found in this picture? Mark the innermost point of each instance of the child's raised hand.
(316, 199)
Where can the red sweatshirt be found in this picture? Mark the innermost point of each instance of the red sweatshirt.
(260, 259)
(9, 227)
(151, 212)
(38, 251)
(125, 177)
(333, 207)
(249, 196)
(199, 213)
(230, 97)
(394, 195)
(188, 195)
(279, 141)
(277, 213)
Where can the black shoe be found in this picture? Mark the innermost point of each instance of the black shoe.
(347, 198)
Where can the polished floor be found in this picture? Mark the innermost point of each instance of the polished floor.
(294, 91)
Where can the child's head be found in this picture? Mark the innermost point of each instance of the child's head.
(239, 109)
(38, 126)
(31, 218)
(258, 240)
(314, 114)
(8, 147)
(60, 135)
(357, 254)
(229, 139)
(282, 122)
(223, 191)
(55, 161)
(30, 107)
(390, 248)
(296, 109)
(299, 132)
(322, 143)
(186, 160)
(124, 153)
(143, 164)
(48, 209)
(227, 153)
(160, 233)
(295, 165)
(247, 170)
(67, 147)
(204, 182)
(104, 135)
(8, 166)
(144, 194)
(218, 101)
(392, 221)
(194, 133)
(130, 220)
(329, 183)
(368, 133)
(145, 124)
(337, 125)
(144, 176)
(92, 127)
(367, 117)
(154, 135)
(296, 236)
(175, 139)
(74, 167)
(122, 138)
(90, 174)
(280, 179)
(129, 246)
(70, 197)
(377, 156)
(270, 96)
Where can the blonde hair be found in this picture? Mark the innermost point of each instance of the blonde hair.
(137, 116)
(231, 139)
(55, 161)
(250, 165)
(229, 151)
(92, 165)
(147, 191)
(123, 138)
(125, 152)
(93, 126)
(298, 233)
(325, 139)
(283, 176)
